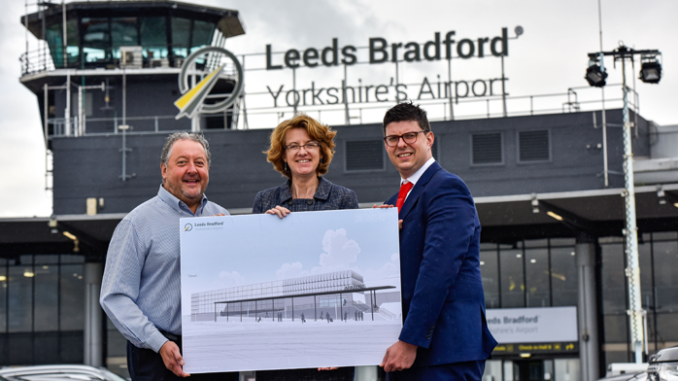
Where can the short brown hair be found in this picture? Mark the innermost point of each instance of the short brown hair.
(406, 112)
(316, 131)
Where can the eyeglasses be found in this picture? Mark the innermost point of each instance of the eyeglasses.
(409, 138)
(309, 146)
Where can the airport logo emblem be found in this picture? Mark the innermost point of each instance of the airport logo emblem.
(211, 80)
(188, 227)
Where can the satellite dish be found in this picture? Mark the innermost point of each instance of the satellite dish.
(519, 30)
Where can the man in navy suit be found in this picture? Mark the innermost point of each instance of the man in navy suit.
(445, 334)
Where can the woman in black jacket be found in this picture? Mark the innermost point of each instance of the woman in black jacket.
(302, 149)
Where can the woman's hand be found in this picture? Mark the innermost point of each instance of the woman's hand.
(279, 211)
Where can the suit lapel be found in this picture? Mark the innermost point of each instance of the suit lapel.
(418, 189)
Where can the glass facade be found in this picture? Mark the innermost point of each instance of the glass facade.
(559, 369)
(42, 301)
(658, 259)
(540, 273)
(54, 35)
(96, 41)
(41, 310)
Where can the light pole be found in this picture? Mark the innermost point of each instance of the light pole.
(650, 73)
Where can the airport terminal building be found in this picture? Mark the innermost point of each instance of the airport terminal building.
(548, 188)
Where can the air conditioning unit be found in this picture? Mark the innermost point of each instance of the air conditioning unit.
(160, 62)
(131, 57)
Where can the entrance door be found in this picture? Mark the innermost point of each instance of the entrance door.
(528, 370)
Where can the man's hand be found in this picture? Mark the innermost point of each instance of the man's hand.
(280, 211)
(399, 356)
(172, 358)
(331, 368)
(386, 206)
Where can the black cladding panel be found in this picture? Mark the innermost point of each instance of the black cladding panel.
(563, 157)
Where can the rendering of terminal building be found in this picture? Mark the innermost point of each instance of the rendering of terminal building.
(548, 183)
(341, 294)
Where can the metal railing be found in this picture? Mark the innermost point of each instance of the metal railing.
(439, 109)
(60, 127)
(364, 113)
(36, 61)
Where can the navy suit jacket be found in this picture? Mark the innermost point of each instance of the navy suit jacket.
(442, 291)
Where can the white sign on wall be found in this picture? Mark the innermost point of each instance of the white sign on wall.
(533, 325)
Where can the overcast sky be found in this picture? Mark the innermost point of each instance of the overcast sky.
(550, 57)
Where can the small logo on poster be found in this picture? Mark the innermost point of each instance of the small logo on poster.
(188, 227)
(370, 218)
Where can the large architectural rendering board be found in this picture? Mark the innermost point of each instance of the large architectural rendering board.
(314, 289)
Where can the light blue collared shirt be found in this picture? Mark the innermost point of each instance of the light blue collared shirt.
(141, 288)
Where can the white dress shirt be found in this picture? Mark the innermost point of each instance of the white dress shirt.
(415, 177)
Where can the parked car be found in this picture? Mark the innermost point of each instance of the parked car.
(620, 368)
(58, 373)
(635, 376)
(664, 365)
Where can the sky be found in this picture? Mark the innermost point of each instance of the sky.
(357, 240)
(549, 57)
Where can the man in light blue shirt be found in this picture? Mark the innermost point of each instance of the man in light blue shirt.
(141, 289)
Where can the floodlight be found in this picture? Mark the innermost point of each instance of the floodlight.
(596, 75)
(650, 69)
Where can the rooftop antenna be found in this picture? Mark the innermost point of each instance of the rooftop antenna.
(26, 25)
(63, 12)
(602, 95)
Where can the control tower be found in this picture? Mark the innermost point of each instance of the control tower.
(111, 68)
(109, 63)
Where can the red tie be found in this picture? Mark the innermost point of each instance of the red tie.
(404, 190)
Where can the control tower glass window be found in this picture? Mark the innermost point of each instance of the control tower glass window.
(202, 34)
(96, 40)
(54, 36)
(181, 35)
(153, 37)
(190, 35)
(123, 33)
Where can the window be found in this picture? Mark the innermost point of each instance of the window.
(96, 40)
(564, 276)
(41, 312)
(181, 34)
(20, 295)
(54, 36)
(190, 35)
(613, 279)
(537, 278)
(666, 282)
(512, 277)
(489, 270)
(534, 146)
(364, 155)
(153, 32)
(486, 149)
(203, 32)
(123, 33)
